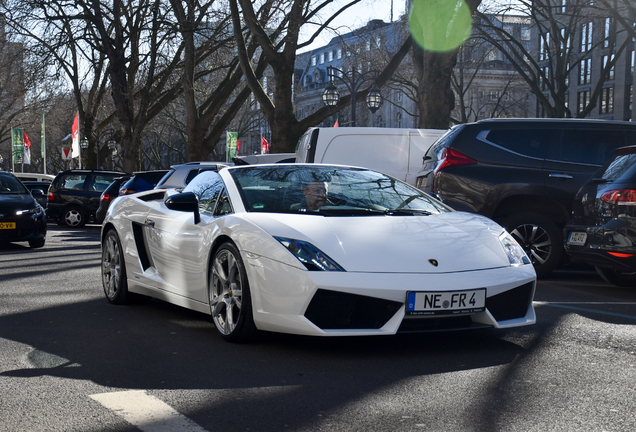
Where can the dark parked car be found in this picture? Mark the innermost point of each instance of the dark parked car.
(180, 175)
(43, 186)
(139, 182)
(73, 196)
(523, 173)
(108, 196)
(142, 181)
(21, 217)
(602, 231)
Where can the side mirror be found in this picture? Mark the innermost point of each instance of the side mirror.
(37, 192)
(185, 202)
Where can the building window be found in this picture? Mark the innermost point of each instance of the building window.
(583, 99)
(322, 58)
(586, 37)
(339, 53)
(525, 34)
(610, 73)
(368, 45)
(609, 22)
(313, 60)
(585, 69)
(631, 64)
(494, 94)
(607, 101)
(563, 5)
(544, 46)
(567, 75)
(330, 56)
(543, 78)
(398, 120)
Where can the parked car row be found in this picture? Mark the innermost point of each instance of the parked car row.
(522, 173)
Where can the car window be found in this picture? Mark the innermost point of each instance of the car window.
(207, 187)
(165, 177)
(587, 146)
(195, 172)
(528, 142)
(73, 181)
(11, 185)
(622, 168)
(100, 182)
(223, 205)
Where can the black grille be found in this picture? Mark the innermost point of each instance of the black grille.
(511, 304)
(336, 310)
(413, 325)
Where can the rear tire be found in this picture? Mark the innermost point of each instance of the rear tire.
(73, 217)
(539, 237)
(618, 278)
(114, 270)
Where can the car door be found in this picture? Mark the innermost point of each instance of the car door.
(580, 153)
(179, 247)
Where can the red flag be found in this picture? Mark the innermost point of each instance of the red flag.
(75, 136)
(27, 149)
(264, 145)
(336, 123)
(27, 142)
(238, 146)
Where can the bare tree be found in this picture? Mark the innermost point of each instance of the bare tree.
(547, 69)
(278, 39)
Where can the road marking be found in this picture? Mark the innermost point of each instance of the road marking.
(565, 305)
(146, 412)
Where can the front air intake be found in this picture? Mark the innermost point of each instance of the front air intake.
(511, 304)
(330, 310)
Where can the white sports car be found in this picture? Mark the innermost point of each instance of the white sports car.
(314, 250)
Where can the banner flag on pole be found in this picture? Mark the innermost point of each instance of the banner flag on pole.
(76, 138)
(17, 139)
(336, 123)
(238, 146)
(230, 146)
(27, 149)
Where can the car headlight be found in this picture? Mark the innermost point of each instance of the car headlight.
(516, 255)
(37, 210)
(311, 257)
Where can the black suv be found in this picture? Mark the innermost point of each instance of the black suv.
(523, 173)
(74, 195)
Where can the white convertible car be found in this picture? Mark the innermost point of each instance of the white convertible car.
(314, 250)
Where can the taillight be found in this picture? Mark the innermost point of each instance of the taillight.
(621, 255)
(453, 157)
(126, 191)
(620, 197)
(49, 196)
(105, 197)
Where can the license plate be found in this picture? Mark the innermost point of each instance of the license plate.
(577, 238)
(446, 302)
(7, 225)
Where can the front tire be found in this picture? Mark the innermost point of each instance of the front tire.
(38, 243)
(618, 278)
(539, 237)
(73, 217)
(229, 296)
(114, 269)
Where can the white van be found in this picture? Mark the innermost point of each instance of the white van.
(393, 151)
(34, 177)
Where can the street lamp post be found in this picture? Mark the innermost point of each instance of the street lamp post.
(83, 145)
(353, 81)
(98, 135)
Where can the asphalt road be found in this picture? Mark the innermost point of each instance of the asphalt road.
(70, 361)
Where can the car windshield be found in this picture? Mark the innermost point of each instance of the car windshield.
(11, 185)
(330, 191)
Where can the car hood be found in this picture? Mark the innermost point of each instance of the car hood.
(456, 241)
(13, 202)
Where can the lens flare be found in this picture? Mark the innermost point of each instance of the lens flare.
(440, 25)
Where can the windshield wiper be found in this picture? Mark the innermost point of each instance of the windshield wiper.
(349, 211)
(407, 212)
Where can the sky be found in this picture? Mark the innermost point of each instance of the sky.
(359, 15)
